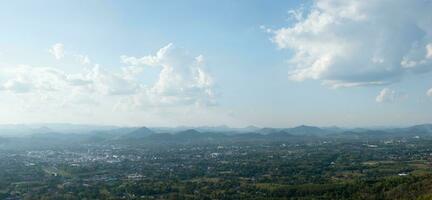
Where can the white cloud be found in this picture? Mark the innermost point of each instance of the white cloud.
(182, 80)
(429, 92)
(359, 43)
(78, 90)
(297, 14)
(23, 79)
(429, 51)
(83, 59)
(43, 88)
(152, 60)
(108, 83)
(57, 50)
(17, 85)
(387, 95)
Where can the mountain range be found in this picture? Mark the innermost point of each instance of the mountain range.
(200, 134)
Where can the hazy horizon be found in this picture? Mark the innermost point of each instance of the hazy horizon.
(110, 126)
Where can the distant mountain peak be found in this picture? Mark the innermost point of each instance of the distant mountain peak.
(144, 128)
(305, 126)
(306, 130)
(139, 133)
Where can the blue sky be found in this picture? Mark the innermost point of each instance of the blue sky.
(170, 63)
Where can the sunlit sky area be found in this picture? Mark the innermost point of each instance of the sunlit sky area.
(225, 62)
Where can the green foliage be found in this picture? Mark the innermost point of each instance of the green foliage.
(334, 169)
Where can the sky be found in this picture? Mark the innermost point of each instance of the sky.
(210, 63)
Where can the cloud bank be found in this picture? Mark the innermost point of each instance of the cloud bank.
(358, 43)
(182, 81)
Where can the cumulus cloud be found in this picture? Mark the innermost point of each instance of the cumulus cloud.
(108, 83)
(23, 79)
(57, 50)
(182, 79)
(387, 95)
(358, 43)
